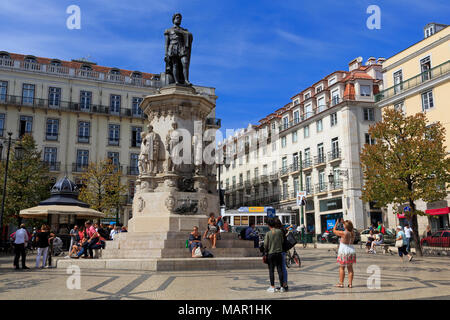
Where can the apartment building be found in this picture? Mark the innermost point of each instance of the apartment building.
(312, 143)
(78, 112)
(417, 80)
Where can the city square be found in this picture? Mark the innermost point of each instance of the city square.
(255, 156)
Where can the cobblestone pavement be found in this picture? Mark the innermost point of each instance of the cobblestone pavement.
(423, 278)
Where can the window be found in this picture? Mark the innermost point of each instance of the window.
(256, 172)
(82, 159)
(333, 119)
(306, 131)
(331, 81)
(400, 107)
(369, 139)
(52, 129)
(114, 157)
(335, 148)
(307, 154)
(319, 125)
(369, 114)
(335, 97)
(115, 104)
(114, 134)
(274, 165)
(85, 100)
(294, 137)
(26, 125)
(322, 184)
(273, 126)
(240, 161)
(365, 91)
(296, 116)
(134, 157)
(283, 142)
(308, 111)
(28, 93)
(296, 185)
(295, 161)
(321, 104)
(135, 107)
(54, 97)
(84, 128)
(398, 79)
(427, 100)
(136, 136)
(320, 153)
(265, 170)
(319, 89)
(2, 125)
(274, 146)
(3, 90)
(307, 96)
(285, 123)
(425, 66)
(50, 155)
(308, 184)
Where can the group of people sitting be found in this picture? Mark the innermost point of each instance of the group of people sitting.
(375, 239)
(86, 239)
(212, 233)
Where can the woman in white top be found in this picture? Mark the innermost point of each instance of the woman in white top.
(346, 254)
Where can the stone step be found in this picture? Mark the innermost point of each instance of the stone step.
(171, 264)
(169, 235)
(176, 253)
(172, 243)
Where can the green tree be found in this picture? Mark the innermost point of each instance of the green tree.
(406, 163)
(102, 188)
(28, 178)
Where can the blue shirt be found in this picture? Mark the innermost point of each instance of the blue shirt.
(401, 233)
(248, 232)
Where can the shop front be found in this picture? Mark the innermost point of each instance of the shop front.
(438, 218)
(328, 219)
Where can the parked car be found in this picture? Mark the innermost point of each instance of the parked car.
(439, 238)
(262, 230)
(388, 238)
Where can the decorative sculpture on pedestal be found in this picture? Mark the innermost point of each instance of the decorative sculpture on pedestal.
(173, 137)
(178, 52)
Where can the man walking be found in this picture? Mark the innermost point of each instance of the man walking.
(20, 242)
(408, 234)
(74, 237)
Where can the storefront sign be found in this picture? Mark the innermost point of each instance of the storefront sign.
(435, 212)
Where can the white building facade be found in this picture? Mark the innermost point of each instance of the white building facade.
(313, 143)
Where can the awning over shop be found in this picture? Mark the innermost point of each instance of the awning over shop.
(435, 212)
(44, 211)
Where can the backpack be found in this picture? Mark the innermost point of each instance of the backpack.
(289, 242)
(383, 230)
(242, 233)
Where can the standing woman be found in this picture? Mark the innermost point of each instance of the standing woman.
(279, 225)
(346, 254)
(273, 247)
(211, 231)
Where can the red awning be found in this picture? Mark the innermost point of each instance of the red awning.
(401, 216)
(435, 212)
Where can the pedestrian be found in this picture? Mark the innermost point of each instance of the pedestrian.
(74, 237)
(273, 247)
(401, 244)
(90, 235)
(279, 225)
(346, 253)
(42, 239)
(252, 234)
(226, 226)
(124, 229)
(194, 242)
(381, 229)
(20, 242)
(408, 234)
(212, 230)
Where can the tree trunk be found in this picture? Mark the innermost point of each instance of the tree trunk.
(415, 226)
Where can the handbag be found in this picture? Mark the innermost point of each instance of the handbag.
(198, 252)
(264, 258)
(399, 243)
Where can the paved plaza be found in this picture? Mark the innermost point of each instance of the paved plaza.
(424, 278)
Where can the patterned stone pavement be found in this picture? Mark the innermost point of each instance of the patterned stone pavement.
(423, 278)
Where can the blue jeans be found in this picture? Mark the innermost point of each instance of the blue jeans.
(283, 266)
(408, 244)
(194, 245)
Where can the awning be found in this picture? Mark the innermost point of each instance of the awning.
(401, 216)
(44, 211)
(435, 212)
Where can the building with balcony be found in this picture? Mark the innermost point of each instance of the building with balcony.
(316, 138)
(78, 112)
(417, 79)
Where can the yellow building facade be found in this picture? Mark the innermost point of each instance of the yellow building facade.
(417, 79)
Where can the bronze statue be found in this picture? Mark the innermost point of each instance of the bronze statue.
(177, 52)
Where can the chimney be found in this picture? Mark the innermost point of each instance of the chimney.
(381, 60)
(371, 61)
(355, 63)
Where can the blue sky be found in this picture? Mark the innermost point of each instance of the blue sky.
(257, 54)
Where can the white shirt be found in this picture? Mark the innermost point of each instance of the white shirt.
(21, 236)
(408, 231)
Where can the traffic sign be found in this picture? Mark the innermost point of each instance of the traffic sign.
(407, 209)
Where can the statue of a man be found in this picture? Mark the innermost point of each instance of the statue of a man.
(197, 144)
(178, 44)
(153, 150)
(172, 139)
(143, 156)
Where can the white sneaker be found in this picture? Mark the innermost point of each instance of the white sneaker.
(282, 289)
(271, 289)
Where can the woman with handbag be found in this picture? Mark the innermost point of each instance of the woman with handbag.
(401, 244)
(195, 243)
(273, 247)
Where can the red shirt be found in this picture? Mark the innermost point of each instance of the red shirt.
(90, 231)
